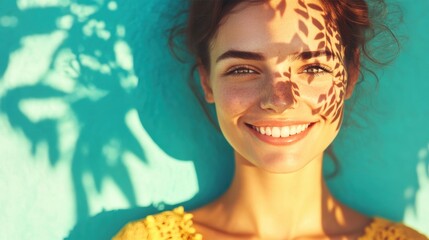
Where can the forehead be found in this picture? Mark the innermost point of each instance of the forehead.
(273, 27)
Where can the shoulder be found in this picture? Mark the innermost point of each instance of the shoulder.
(174, 224)
(386, 230)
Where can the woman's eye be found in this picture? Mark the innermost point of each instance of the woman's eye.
(241, 71)
(316, 70)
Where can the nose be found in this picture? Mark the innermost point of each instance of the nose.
(278, 97)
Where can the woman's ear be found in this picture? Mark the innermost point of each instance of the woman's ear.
(205, 83)
(353, 71)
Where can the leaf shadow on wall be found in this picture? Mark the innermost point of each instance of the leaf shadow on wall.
(170, 114)
(103, 92)
(100, 115)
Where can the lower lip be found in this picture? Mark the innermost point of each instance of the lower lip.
(280, 141)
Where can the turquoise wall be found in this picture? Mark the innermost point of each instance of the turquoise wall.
(97, 125)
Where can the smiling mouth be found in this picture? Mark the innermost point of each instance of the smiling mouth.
(281, 132)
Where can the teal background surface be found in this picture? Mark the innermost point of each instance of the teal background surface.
(98, 126)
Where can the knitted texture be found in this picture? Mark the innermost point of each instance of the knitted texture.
(382, 229)
(177, 225)
(171, 225)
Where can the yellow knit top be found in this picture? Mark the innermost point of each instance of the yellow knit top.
(177, 225)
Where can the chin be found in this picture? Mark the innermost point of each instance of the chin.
(283, 164)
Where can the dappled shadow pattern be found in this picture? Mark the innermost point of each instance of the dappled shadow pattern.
(91, 72)
(101, 96)
(330, 104)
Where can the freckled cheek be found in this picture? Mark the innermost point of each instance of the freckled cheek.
(234, 100)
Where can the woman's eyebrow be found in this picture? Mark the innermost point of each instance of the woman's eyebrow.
(241, 54)
(311, 54)
(260, 57)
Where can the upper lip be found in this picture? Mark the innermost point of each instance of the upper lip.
(277, 123)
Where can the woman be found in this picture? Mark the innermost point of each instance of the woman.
(278, 73)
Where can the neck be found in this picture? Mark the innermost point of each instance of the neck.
(265, 205)
(267, 202)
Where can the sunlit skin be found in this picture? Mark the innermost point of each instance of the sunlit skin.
(279, 63)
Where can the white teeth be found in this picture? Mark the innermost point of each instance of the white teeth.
(292, 130)
(268, 131)
(285, 131)
(275, 132)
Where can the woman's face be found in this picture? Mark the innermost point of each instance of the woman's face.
(278, 82)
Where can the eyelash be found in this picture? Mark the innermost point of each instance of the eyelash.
(320, 69)
(241, 70)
